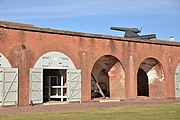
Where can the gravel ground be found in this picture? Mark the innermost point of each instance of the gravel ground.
(81, 106)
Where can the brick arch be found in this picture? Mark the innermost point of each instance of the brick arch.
(109, 73)
(143, 58)
(102, 55)
(155, 78)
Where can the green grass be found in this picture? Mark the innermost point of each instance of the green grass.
(146, 112)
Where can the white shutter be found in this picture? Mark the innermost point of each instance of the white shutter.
(74, 85)
(36, 85)
(177, 82)
(9, 86)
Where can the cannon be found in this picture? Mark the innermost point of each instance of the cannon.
(133, 33)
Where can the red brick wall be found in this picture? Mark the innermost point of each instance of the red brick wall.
(156, 86)
(117, 82)
(23, 48)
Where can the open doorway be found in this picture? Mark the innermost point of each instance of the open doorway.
(107, 79)
(54, 85)
(142, 83)
(150, 79)
(8, 83)
(54, 78)
(100, 86)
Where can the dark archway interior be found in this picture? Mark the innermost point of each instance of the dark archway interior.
(54, 85)
(100, 86)
(150, 79)
(142, 83)
(108, 78)
(142, 76)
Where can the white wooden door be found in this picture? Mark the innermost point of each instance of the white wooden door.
(74, 85)
(8, 86)
(177, 82)
(36, 85)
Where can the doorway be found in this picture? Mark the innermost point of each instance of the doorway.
(9, 87)
(54, 77)
(150, 79)
(177, 82)
(142, 83)
(54, 85)
(107, 79)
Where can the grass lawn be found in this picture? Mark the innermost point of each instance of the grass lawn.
(146, 112)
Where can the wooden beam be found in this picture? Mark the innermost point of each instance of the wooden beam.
(97, 84)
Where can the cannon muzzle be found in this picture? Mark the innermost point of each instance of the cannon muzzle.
(135, 30)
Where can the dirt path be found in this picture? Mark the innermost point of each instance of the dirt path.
(81, 106)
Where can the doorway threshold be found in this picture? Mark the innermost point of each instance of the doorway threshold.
(107, 99)
(54, 103)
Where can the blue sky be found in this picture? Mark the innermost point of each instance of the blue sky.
(161, 17)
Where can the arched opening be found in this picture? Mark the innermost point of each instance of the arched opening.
(177, 82)
(142, 83)
(8, 83)
(52, 81)
(150, 79)
(108, 78)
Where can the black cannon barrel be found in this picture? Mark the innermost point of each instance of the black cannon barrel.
(150, 36)
(135, 30)
(133, 33)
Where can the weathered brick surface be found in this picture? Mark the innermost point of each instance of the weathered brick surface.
(25, 45)
(117, 81)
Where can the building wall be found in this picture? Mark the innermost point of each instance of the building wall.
(24, 47)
